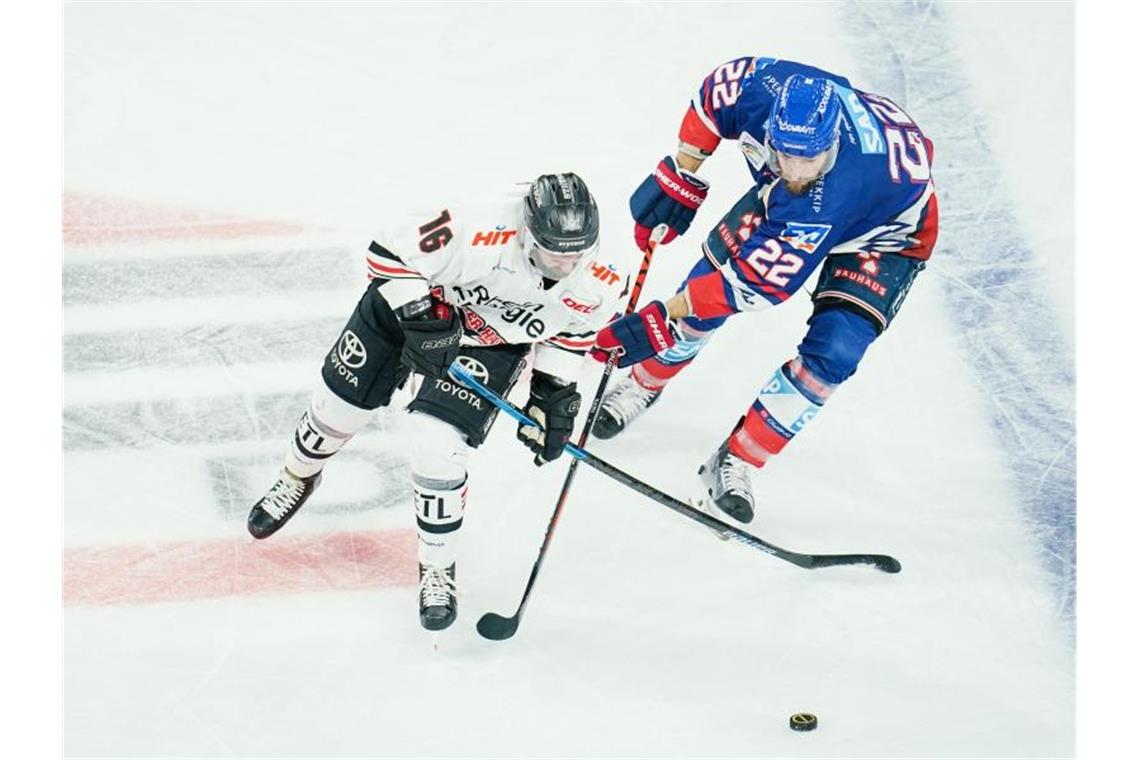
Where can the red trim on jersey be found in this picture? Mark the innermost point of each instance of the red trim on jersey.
(746, 271)
(694, 132)
(707, 297)
(388, 270)
(927, 232)
(929, 149)
(574, 343)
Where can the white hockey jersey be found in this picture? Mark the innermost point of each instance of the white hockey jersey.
(472, 257)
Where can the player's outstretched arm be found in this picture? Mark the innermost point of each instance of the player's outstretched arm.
(674, 191)
(645, 333)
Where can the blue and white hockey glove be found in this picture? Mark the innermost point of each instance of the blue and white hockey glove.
(640, 335)
(668, 196)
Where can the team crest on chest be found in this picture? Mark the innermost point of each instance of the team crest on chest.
(804, 237)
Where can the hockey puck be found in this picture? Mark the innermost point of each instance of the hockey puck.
(803, 722)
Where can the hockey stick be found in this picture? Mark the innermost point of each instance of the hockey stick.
(882, 562)
(497, 627)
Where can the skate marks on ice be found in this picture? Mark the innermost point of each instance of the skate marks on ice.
(198, 338)
(986, 268)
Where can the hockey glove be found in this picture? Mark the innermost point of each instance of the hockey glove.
(640, 335)
(553, 406)
(432, 330)
(668, 196)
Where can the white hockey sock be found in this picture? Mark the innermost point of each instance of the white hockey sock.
(323, 429)
(439, 506)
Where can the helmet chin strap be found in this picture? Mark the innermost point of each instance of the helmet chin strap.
(527, 240)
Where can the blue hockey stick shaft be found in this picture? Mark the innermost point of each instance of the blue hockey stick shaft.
(883, 562)
(461, 375)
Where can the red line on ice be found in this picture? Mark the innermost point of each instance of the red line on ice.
(91, 219)
(185, 570)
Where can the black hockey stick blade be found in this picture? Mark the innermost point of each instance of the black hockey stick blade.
(496, 627)
(884, 562)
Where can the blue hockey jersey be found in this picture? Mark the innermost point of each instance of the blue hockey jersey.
(878, 198)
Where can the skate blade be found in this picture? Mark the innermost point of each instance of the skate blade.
(704, 506)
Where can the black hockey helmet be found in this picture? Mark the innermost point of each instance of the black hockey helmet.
(561, 221)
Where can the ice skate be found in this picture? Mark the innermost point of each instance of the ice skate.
(625, 403)
(282, 501)
(438, 605)
(727, 479)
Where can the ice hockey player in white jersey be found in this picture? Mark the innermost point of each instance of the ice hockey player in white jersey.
(481, 286)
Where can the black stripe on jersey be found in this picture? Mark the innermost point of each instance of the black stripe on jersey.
(588, 334)
(575, 351)
(384, 253)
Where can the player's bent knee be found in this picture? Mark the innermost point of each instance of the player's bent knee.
(439, 450)
(363, 367)
(835, 344)
(331, 411)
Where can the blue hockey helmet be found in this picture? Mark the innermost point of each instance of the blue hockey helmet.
(804, 121)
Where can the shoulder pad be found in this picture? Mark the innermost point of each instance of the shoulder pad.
(454, 226)
(600, 284)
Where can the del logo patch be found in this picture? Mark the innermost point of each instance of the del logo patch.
(804, 237)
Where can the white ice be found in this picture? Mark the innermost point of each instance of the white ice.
(188, 360)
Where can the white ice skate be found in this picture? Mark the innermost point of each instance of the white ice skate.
(627, 401)
(438, 604)
(727, 479)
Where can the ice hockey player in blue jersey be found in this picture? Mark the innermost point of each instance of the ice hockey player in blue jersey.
(843, 184)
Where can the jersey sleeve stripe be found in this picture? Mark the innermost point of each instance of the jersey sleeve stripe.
(701, 106)
(695, 131)
(710, 297)
(392, 272)
(572, 344)
(379, 251)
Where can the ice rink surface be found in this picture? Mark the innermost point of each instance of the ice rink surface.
(225, 168)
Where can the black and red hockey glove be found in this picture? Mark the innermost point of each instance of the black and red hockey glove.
(432, 330)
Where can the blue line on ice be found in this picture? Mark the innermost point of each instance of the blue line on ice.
(993, 283)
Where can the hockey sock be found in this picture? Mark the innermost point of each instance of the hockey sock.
(325, 427)
(439, 506)
(787, 402)
(656, 371)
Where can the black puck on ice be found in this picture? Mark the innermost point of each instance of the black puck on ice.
(803, 722)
